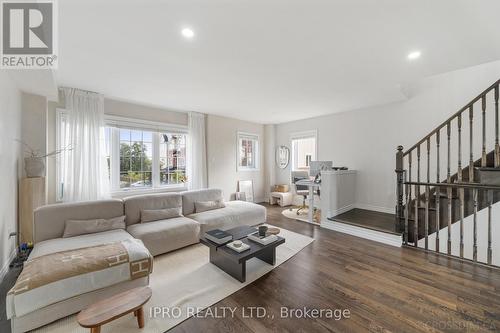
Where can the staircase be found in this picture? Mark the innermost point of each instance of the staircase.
(424, 206)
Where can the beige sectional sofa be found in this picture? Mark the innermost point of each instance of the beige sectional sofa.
(163, 235)
(160, 236)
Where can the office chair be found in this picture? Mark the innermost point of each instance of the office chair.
(301, 190)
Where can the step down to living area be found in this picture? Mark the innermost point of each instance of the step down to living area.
(376, 226)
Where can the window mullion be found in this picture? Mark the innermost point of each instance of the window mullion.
(156, 160)
(115, 159)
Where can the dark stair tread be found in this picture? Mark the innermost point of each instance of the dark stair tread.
(487, 168)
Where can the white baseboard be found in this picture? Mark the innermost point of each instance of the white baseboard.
(5, 268)
(260, 200)
(375, 208)
(377, 236)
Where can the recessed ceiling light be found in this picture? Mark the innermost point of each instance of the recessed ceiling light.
(188, 33)
(414, 55)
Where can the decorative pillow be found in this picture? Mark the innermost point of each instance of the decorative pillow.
(203, 206)
(160, 214)
(74, 228)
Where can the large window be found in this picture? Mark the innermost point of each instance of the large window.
(248, 151)
(140, 155)
(303, 150)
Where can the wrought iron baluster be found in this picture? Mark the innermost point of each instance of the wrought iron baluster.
(438, 192)
(474, 251)
(409, 189)
(407, 202)
(417, 197)
(427, 194)
(490, 203)
(497, 146)
(483, 150)
(461, 190)
(471, 144)
(448, 132)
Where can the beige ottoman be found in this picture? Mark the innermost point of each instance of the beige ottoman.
(281, 198)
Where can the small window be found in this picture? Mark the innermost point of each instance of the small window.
(303, 151)
(248, 151)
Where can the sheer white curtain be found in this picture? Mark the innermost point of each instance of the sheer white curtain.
(197, 153)
(85, 168)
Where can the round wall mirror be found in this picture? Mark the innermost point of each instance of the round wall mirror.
(282, 157)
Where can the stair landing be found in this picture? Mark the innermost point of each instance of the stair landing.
(368, 219)
(376, 226)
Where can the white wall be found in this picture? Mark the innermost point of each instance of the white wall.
(366, 140)
(149, 113)
(270, 159)
(10, 164)
(33, 122)
(221, 155)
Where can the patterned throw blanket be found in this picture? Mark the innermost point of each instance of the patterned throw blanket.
(58, 276)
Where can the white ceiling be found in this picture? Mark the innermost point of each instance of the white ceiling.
(269, 61)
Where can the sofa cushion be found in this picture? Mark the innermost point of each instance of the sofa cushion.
(236, 213)
(49, 221)
(190, 197)
(150, 215)
(203, 206)
(82, 227)
(134, 205)
(166, 235)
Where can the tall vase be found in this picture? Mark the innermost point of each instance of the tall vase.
(34, 166)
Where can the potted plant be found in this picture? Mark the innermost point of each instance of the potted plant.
(34, 162)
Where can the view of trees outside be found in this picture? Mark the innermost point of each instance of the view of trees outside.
(136, 158)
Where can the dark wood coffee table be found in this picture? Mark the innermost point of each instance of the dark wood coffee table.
(234, 263)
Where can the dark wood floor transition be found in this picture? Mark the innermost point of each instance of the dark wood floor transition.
(368, 219)
(386, 289)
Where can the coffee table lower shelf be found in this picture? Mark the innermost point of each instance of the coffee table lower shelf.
(234, 263)
(238, 269)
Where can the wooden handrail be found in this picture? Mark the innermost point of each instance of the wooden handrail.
(445, 123)
(414, 214)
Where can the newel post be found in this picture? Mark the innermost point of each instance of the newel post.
(399, 189)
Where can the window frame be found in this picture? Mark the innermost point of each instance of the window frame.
(303, 135)
(256, 150)
(115, 123)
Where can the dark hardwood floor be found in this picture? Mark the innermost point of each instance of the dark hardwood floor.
(7, 283)
(368, 219)
(386, 289)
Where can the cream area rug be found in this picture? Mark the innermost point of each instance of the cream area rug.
(303, 215)
(292, 214)
(185, 280)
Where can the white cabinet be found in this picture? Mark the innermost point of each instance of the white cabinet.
(338, 192)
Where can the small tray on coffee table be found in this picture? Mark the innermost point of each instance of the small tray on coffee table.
(244, 247)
